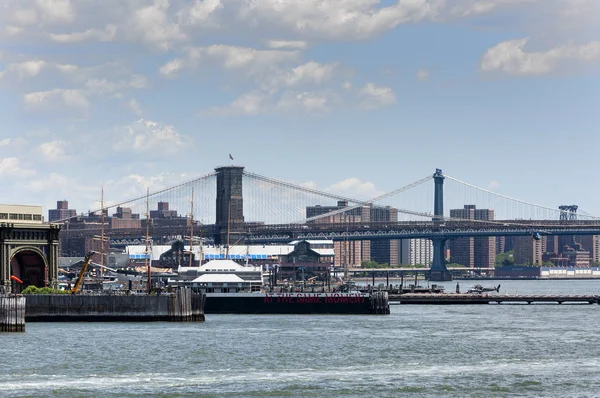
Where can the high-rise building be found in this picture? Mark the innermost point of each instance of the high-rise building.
(527, 251)
(551, 244)
(124, 218)
(420, 251)
(355, 252)
(386, 251)
(163, 212)
(578, 256)
(62, 211)
(473, 252)
(591, 243)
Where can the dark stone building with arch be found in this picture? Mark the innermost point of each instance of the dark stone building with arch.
(28, 252)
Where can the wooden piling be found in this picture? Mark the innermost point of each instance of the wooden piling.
(379, 303)
(12, 313)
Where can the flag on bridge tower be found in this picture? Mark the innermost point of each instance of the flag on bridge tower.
(230, 157)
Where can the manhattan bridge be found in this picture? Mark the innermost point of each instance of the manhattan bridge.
(233, 206)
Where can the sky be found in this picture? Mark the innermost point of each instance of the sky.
(353, 97)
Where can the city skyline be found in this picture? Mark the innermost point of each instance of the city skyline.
(357, 98)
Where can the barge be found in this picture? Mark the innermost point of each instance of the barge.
(297, 303)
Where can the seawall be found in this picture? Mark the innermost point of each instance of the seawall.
(180, 306)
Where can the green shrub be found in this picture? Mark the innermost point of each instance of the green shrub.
(31, 289)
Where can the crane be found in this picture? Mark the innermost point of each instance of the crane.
(84, 267)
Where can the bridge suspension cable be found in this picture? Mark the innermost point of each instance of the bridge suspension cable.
(553, 210)
(144, 197)
(378, 198)
(298, 187)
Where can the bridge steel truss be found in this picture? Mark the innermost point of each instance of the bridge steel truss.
(416, 233)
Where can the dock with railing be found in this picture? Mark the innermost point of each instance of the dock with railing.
(452, 298)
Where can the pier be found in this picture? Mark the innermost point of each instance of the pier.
(182, 305)
(451, 298)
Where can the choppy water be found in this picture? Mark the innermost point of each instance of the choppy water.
(423, 351)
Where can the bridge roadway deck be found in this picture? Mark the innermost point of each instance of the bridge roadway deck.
(412, 269)
(360, 231)
(452, 298)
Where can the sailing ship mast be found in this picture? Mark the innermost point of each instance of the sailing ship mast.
(228, 228)
(192, 229)
(102, 234)
(146, 262)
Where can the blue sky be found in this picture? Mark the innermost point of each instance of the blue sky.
(356, 97)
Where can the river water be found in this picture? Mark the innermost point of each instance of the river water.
(419, 351)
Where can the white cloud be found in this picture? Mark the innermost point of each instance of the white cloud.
(104, 86)
(200, 12)
(11, 167)
(24, 16)
(308, 102)
(373, 96)
(13, 30)
(5, 142)
(52, 151)
(251, 103)
(250, 60)
(287, 44)
(107, 34)
(171, 67)
(91, 76)
(466, 8)
(355, 188)
(580, 9)
(284, 91)
(349, 19)
(56, 10)
(493, 185)
(422, 75)
(148, 136)
(511, 58)
(309, 185)
(134, 106)
(156, 182)
(56, 99)
(308, 73)
(24, 69)
(167, 24)
(152, 25)
(52, 184)
(84, 83)
(233, 57)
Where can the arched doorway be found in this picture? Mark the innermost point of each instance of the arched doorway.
(30, 267)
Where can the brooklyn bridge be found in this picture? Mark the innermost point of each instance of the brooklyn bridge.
(232, 206)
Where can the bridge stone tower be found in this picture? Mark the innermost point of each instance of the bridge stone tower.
(229, 222)
(439, 272)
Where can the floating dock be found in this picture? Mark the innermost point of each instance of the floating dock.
(12, 313)
(297, 303)
(183, 305)
(450, 298)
